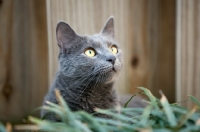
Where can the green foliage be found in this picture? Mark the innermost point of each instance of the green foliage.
(194, 100)
(158, 116)
(2, 128)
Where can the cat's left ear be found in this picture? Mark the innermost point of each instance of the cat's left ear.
(108, 29)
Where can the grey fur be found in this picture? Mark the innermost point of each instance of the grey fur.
(86, 82)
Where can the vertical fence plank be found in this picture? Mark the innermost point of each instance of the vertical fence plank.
(23, 41)
(153, 46)
(188, 45)
(162, 49)
(137, 52)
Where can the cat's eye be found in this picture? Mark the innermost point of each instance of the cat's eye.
(113, 49)
(90, 52)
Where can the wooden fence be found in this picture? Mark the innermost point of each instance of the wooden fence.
(159, 40)
(188, 49)
(23, 57)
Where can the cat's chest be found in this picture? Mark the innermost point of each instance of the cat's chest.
(97, 100)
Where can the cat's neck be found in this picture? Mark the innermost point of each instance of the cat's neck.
(86, 96)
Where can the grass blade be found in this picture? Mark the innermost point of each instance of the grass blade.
(193, 99)
(129, 101)
(187, 116)
(120, 117)
(145, 116)
(91, 122)
(126, 104)
(151, 97)
(168, 111)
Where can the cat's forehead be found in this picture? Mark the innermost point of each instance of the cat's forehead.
(99, 41)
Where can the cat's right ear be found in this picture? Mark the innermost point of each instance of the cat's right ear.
(108, 29)
(65, 35)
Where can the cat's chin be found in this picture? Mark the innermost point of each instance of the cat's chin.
(110, 80)
(112, 76)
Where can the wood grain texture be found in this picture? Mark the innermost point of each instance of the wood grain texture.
(23, 55)
(188, 45)
(152, 46)
(161, 37)
(144, 29)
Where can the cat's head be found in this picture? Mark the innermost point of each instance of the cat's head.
(96, 57)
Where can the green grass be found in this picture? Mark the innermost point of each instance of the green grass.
(158, 116)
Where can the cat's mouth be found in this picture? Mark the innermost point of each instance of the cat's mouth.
(113, 69)
(112, 74)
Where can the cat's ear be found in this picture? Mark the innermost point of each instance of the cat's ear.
(108, 29)
(65, 35)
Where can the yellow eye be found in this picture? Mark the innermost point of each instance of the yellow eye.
(90, 52)
(114, 50)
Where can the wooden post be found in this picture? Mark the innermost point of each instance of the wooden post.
(187, 51)
(23, 57)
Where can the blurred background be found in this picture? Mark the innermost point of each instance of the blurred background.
(160, 40)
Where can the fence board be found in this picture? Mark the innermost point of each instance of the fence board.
(23, 57)
(188, 45)
(162, 47)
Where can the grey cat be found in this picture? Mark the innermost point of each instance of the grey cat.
(88, 67)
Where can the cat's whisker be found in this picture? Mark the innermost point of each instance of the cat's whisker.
(82, 79)
(78, 83)
(87, 83)
(98, 80)
(85, 87)
(128, 83)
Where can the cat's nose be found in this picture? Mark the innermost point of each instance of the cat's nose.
(111, 59)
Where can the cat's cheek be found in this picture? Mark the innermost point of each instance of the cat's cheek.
(118, 66)
(119, 56)
(89, 61)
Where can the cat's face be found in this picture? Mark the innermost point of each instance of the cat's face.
(97, 58)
